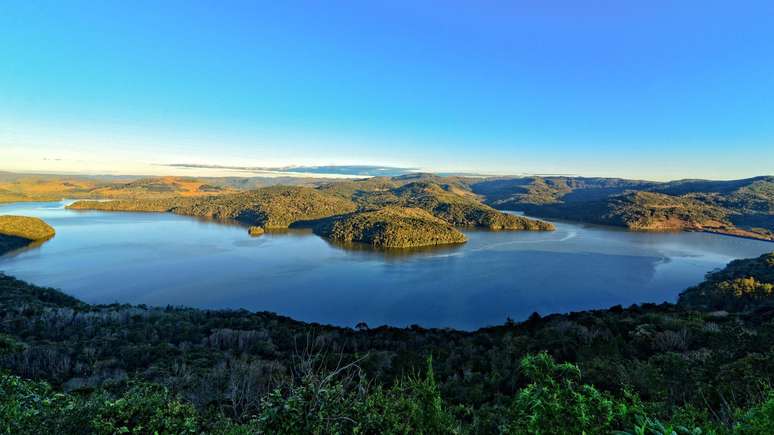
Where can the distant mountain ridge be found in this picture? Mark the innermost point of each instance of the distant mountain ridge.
(742, 207)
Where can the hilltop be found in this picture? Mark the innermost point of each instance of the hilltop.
(19, 231)
(453, 204)
(391, 227)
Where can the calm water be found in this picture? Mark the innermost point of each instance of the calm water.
(161, 259)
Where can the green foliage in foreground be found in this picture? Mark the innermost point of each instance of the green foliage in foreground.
(28, 407)
(647, 369)
(555, 402)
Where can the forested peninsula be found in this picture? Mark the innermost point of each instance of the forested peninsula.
(385, 213)
(743, 208)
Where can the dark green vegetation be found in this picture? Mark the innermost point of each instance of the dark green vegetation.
(330, 207)
(391, 227)
(739, 207)
(448, 199)
(705, 363)
(272, 207)
(20, 231)
(743, 285)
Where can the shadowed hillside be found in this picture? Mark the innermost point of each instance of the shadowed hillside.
(739, 207)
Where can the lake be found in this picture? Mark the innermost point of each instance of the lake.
(164, 259)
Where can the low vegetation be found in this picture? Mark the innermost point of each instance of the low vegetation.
(18, 187)
(391, 227)
(704, 365)
(255, 231)
(26, 187)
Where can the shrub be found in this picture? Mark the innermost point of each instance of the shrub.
(556, 402)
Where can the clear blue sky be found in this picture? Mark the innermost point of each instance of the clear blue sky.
(642, 89)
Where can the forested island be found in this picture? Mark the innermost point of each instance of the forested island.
(391, 227)
(702, 365)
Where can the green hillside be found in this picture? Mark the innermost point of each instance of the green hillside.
(391, 227)
(355, 203)
(737, 207)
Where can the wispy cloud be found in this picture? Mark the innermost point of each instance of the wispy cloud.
(340, 170)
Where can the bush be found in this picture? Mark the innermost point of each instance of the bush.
(556, 402)
(145, 409)
(325, 404)
(759, 420)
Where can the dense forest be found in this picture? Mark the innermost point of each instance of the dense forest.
(738, 207)
(703, 365)
(391, 227)
(386, 213)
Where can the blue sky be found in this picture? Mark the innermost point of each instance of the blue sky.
(657, 90)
